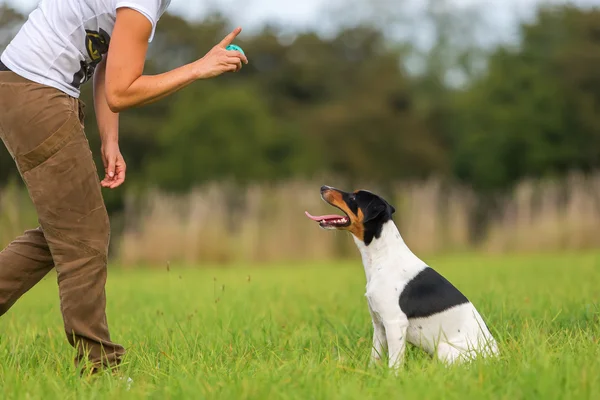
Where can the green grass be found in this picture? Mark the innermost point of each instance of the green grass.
(303, 332)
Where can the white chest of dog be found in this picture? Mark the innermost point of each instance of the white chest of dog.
(408, 301)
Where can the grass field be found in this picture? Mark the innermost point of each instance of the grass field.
(303, 332)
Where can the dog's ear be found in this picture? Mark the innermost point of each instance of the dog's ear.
(373, 206)
(373, 212)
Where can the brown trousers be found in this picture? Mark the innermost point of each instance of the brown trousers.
(42, 128)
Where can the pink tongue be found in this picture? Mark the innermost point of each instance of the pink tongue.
(322, 217)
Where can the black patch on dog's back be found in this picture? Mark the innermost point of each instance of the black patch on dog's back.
(429, 293)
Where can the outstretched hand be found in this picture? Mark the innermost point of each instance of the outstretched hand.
(219, 60)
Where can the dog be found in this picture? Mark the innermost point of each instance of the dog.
(408, 300)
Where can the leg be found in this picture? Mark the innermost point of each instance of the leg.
(379, 339)
(449, 354)
(395, 331)
(56, 164)
(384, 304)
(76, 226)
(23, 264)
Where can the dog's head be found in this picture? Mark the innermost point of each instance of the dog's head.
(365, 213)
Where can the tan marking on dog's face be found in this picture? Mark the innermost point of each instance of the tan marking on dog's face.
(356, 226)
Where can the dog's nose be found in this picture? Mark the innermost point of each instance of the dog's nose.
(324, 188)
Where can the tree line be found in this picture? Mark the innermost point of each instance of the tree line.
(347, 106)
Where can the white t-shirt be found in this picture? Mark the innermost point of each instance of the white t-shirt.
(62, 41)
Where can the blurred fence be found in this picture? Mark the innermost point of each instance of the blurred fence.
(221, 223)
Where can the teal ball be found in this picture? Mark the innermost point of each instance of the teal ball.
(233, 47)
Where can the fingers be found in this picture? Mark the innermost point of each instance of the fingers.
(110, 169)
(119, 179)
(233, 64)
(237, 54)
(219, 60)
(114, 171)
(106, 182)
(230, 38)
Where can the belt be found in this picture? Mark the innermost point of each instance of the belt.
(3, 67)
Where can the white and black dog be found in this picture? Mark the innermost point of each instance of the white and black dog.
(407, 299)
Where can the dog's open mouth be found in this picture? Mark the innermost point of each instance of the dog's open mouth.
(330, 221)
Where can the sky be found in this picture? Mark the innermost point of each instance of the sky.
(298, 12)
(500, 16)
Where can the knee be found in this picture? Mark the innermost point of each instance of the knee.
(95, 232)
(76, 239)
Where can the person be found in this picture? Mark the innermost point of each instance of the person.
(62, 45)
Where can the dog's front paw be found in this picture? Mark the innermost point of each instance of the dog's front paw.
(375, 357)
(374, 361)
(396, 367)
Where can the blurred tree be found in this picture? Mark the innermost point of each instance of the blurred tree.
(366, 127)
(534, 112)
(346, 104)
(219, 133)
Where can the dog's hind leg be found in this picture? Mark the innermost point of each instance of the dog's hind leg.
(379, 338)
(449, 354)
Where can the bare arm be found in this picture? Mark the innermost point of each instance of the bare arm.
(108, 121)
(126, 87)
(108, 126)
